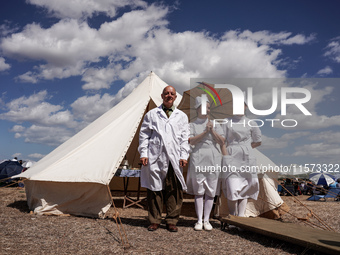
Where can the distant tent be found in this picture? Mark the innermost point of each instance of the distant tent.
(28, 164)
(8, 169)
(74, 178)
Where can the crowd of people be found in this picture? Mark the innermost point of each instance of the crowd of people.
(167, 138)
(295, 187)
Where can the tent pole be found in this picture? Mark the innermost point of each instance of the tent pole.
(117, 218)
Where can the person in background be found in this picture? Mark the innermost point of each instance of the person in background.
(310, 188)
(205, 140)
(290, 189)
(297, 189)
(238, 186)
(303, 188)
(164, 150)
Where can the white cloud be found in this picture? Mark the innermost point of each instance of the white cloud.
(297, 147)
(7, 28)
(18, 154)
(126, 90)
(177, 57)
(99, 78)
(3, 65)
(69, 46)
(138, 41)
(65, 46)
(52, 136)
(36, 155)
(17, 128)
(17, 135)
(299, 39)
(314, 121)
(323, 150)
(267, 37)
(333, 49)
(288, 139)
(295, 135)
(50, 124)
(35, 110)
(85, 8)
(329, 137)
(325, 71)
(325, 153)
(28, 77)
(269, 143)
(88, 108)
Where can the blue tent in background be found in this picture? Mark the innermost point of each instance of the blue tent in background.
(8, 169)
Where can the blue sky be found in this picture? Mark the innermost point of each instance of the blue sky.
(64, 63)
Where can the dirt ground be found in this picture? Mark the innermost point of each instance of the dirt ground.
(24, 233)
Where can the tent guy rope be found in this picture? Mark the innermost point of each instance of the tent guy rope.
(119, 224)
(312, 213)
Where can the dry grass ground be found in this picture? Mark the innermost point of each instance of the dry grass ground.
(25, 233)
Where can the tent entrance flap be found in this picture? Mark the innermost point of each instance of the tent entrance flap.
(133, 158)
(132, 154)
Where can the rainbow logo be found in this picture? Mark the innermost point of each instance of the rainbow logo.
(209, 93)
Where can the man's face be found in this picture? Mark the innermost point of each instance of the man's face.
(169, 96)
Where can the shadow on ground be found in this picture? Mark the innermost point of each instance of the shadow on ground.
(21, 205)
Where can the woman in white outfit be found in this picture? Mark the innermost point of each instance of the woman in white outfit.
(201, 181)
(240, 182)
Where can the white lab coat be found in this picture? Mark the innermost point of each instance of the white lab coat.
(244, 182)
(161, 140)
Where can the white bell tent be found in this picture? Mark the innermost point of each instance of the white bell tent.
(74, 178)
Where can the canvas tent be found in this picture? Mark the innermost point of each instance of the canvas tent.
(74, 178)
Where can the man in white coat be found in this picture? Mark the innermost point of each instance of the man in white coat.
(164, 150)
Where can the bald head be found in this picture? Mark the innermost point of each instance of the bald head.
(169, 96)
(169, 87)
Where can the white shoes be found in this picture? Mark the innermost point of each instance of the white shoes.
(198, 226)
(207, 226)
